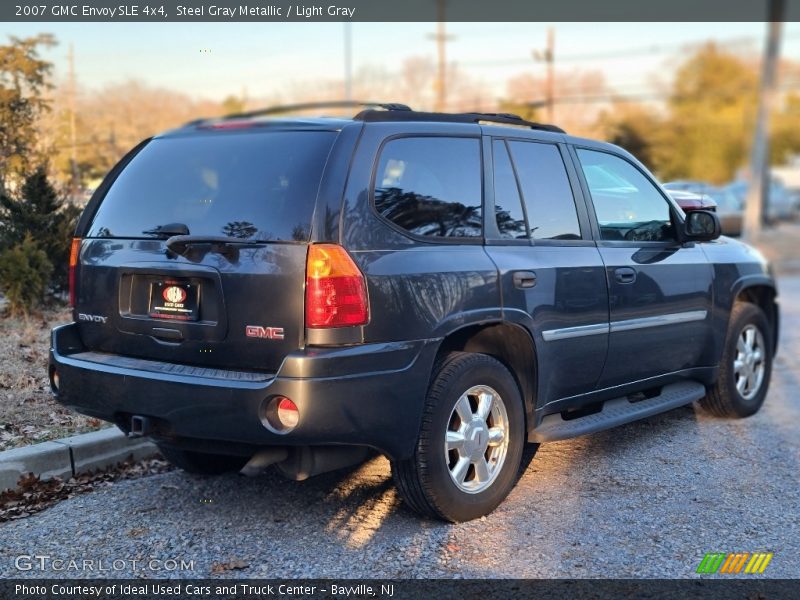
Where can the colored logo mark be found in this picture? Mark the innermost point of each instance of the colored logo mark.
(734, 563)
(174, 294)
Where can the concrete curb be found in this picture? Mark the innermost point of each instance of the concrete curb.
(71, 456)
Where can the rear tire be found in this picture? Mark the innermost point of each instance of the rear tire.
(200, 463)
(746, 365)
(470, 443)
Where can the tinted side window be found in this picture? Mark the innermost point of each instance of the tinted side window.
(628, 206)
(431, 186)
(545, 188)
(507, 202)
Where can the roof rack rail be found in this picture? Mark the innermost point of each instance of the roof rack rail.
(276, 110)
(471, 117)
(285, 108)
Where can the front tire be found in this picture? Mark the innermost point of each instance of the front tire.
(470, 443)
(746, 365)
(201, 463)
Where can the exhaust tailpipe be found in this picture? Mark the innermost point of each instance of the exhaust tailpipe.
(307, 461)
(264, 458)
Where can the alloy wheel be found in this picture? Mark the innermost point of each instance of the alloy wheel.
(476, 441)
(749, 365)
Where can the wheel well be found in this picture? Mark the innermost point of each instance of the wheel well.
(510, 344)
(763, 296)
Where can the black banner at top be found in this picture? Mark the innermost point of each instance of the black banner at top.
(399, 10)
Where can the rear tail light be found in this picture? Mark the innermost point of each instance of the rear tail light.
(336, 295)
(74, 251)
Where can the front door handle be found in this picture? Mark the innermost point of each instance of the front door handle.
(524, 279)
(625, 275)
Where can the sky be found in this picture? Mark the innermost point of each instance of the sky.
(214, 60)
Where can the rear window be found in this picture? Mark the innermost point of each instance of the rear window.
(244, 185)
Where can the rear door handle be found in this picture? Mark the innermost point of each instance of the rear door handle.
(625, 275)
(524, 279)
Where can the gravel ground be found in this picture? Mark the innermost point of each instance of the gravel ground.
(644, 500)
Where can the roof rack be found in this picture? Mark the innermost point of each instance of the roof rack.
(391, 111)
(472, 117)
(285, 108)
(276, 110)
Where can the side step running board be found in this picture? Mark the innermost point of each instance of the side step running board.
(617, 412)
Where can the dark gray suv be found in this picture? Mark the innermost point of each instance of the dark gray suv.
(440, 288)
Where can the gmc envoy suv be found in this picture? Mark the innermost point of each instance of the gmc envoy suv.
(439, 288)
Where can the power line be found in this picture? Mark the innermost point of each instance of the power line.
(634, 94)
(636, 97)
(622, 53)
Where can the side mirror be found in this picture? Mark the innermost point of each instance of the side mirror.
(702, 226)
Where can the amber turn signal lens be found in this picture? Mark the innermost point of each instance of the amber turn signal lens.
(74, 253)
(336, 295)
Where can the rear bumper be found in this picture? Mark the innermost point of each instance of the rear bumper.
(368, 395)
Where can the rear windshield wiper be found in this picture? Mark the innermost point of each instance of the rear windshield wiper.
(192, 245)
(170, 229)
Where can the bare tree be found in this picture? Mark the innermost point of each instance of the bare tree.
(575, 93)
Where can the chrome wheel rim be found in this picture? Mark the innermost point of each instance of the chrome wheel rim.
(749, 365)
(476, 441)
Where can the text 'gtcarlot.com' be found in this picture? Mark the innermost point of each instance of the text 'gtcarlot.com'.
(39, 562)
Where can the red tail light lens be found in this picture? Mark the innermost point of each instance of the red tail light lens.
(336, 295)
(74, 251)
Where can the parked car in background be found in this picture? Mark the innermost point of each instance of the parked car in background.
(690, 201)
(794, 194)
(683, 185)
(730, 210)
(780, 204)
(692, 195)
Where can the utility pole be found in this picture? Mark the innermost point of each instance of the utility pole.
(73, 159)
(547, 56)
(348, 61)
(441, 38)
(759, 157)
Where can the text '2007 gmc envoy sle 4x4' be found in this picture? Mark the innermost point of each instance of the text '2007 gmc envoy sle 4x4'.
(441, 288)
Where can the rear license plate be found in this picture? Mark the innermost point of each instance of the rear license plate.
(173, 299)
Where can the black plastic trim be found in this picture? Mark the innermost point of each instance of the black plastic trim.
(406, 116)
(617, 412)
